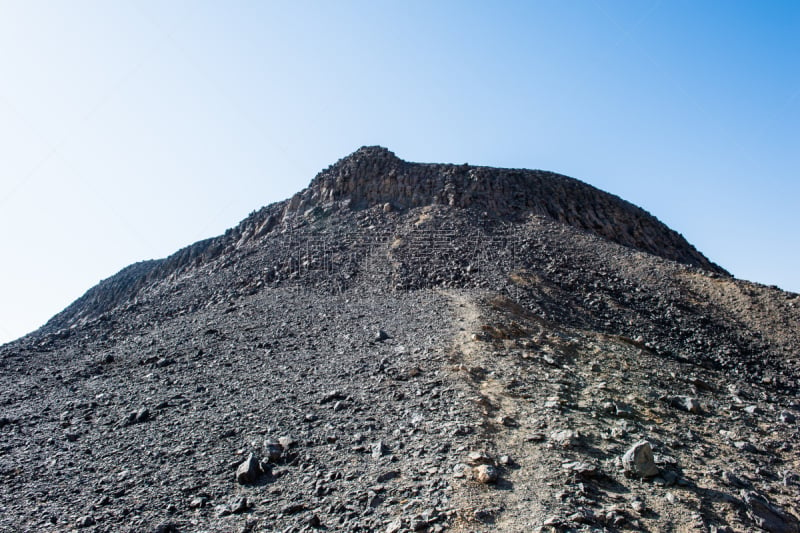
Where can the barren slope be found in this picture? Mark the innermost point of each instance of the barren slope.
(370, 357)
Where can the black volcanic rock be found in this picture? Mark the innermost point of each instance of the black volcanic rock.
(373, 176)
(367, 353)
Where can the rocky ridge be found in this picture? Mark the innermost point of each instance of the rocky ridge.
(374, 176)
(351, 362)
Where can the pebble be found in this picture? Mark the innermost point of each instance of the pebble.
(85, 521)
(485, 474)
(479, 458)
(638, 460)
(686, 403)
(249, 471)
(379, 449)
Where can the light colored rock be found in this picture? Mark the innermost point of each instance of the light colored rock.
(485, 474)
(638, 460)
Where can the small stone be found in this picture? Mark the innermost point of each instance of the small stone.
(332, 396)
(387, 476)
(142, 415)
(379, 449)
(752, 410)
(787, 418)
(638, 505)
(394, 526)
(293, 508)
(86, 521)
(460, 470)
(273, 451)
(686, 403)
(286, 442)
(485, 474)
(249, 471)
(565, 438)
(382, 336)
(638, 460)
(166, 527)
(240, 506)
(735, 481)
(745, 446)
(507, 421)
(582, 469)
(314, 521)
(479, 458)
(222, 510)
(197, 502)
(768, 516)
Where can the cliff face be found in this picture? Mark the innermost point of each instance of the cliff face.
(375, 176)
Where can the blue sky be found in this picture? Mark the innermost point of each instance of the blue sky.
(129, 129)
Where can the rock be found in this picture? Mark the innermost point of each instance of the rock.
(379, 449)
(745, 446)
(768, 516)
(787, 418)
(332, 396)
(293, 508)
(142, 415)
(137, 417)
(286, 442)
(461, 470)
(485, 474)
(240, 506)
(249, 471)
(394, 526)
(314, 521)
(382, 336)
(197, 502)
(638, 461)
(686, 403)
(565, 438)
(166, 527)
(85, 521)
(752, 410)
(387, 476)
(479, 458)
(272, 451)
(732, 479)
(507, 421)
(580, 468)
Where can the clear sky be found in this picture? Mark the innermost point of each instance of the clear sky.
(129, 129)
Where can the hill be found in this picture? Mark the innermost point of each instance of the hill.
(405, 346)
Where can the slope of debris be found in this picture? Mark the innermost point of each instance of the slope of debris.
(406, 368)
(374, 176)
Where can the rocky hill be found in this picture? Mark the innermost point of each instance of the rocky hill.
(412, 347)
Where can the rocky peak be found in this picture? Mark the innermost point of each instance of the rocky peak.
(373, 175)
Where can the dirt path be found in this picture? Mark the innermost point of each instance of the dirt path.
(517, 502)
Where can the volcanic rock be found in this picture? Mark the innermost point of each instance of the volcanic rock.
(391, 318)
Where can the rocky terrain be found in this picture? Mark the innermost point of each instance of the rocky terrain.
(412, 347)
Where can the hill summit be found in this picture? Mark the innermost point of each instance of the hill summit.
(412, 347)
